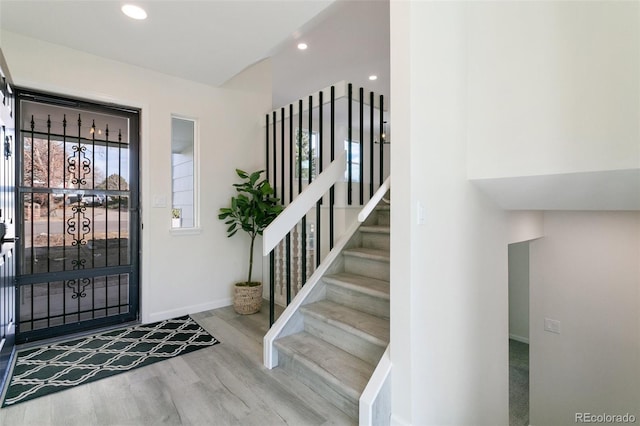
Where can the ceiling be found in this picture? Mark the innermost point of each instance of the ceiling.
(348, 41)
(210, 41)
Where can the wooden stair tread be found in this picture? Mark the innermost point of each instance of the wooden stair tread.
(362, 284)
(369, 327)
(342, 370)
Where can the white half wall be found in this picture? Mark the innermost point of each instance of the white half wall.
(181, 272)
(553, 87)
(449, 319)
(585, 273)
(553, 104)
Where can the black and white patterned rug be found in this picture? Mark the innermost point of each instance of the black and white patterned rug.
(41, 371)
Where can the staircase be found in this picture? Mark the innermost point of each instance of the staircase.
(345, 329)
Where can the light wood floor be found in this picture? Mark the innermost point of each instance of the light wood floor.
(222, 385)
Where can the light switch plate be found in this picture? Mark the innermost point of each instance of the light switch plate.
(159, 201)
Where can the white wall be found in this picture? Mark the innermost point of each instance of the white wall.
(525, 225)
(490, 90)
(585, 273)
(519, 291)
(554, 100)
(449, 320)
(181, 273)
(553, 87)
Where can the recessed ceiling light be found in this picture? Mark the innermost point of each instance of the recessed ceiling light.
(373, 77)
(134, 12)
(302, 46)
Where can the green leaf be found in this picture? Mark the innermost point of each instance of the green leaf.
(253, 207)
(254, 177)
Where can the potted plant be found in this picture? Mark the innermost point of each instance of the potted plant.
(176, 215)
(251, 211)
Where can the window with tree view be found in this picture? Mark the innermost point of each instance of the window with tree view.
(309, 151)
(74, 184)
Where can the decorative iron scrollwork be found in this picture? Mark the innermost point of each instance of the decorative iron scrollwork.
(79, 165)
(78, 225)
(78, 264)
(7, 147)
(78, 286)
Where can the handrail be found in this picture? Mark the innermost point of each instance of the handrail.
(373, 202)
(298, 208)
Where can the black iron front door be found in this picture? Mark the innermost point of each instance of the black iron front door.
(77, 196)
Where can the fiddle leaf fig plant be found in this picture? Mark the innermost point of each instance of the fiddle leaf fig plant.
(251, 211)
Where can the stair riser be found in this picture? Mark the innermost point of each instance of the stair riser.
(324, 388)
(367, 267)
(384, 217)
(355, 345)
(375, 240)
(357, 300)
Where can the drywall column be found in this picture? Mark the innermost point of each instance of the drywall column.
(401, 307)
(448, 274)
(585, 273)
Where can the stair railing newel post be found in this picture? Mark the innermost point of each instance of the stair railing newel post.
(350, 145)
(332, 130)
(371, 142)
(318, 235)
(290, 263)
(271, 258)
(361, 160)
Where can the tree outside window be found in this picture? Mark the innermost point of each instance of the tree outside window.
(307, 167)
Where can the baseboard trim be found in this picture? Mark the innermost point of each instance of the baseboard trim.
(186, 310)
(519, 338)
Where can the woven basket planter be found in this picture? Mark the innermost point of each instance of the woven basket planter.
(247, 300)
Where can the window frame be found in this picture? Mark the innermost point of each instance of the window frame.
(195, 229)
